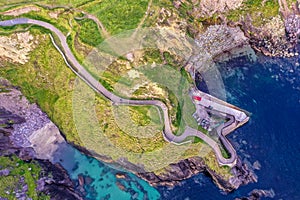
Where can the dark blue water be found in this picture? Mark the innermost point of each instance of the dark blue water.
(268, 91)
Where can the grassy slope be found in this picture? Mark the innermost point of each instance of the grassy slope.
(47, 81)
(88, 33)
(260, 13)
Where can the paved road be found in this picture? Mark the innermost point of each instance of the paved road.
(95, 85)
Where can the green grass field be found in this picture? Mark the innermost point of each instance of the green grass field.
(117, 16)
(89, 33)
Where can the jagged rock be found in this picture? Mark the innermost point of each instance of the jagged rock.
(242, 175)
(256, 165)
(258, 194)
(189, 167)
(60, 185)
(120, 176)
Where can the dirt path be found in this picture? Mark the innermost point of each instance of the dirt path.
(19, 11)
(101, 27)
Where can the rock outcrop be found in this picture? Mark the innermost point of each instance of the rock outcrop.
(279, 36)
(214, 42)
(175, 173)
(36, 130)
(59, 186)
(207, 8)
(17, 47)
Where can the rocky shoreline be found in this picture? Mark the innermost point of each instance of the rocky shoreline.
(187, 168)
(53, 180)
(279, 37)
(16, 124)
(28, 147)
(26, 137)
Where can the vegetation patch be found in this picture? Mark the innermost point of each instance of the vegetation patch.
(258, 11)
(118, 15)
(212, 163)
(20, 173)
(116, 131)
(89, 33)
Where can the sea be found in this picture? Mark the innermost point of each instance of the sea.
(269, 89)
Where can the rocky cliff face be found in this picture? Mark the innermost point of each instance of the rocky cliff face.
(276, 34)
(19, 120)
(35, 129)
(187, 168)
(279, 35)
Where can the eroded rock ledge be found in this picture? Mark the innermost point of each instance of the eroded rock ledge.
(187, 168)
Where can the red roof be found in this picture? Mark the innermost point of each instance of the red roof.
(197, 98)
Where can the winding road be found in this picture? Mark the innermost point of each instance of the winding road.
(81, 72)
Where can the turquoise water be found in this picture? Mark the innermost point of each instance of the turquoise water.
(102, 177)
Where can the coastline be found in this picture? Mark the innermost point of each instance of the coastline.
(189, 167)
(177, 172)
(185, 169)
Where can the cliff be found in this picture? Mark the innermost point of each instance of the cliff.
(16, 124)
